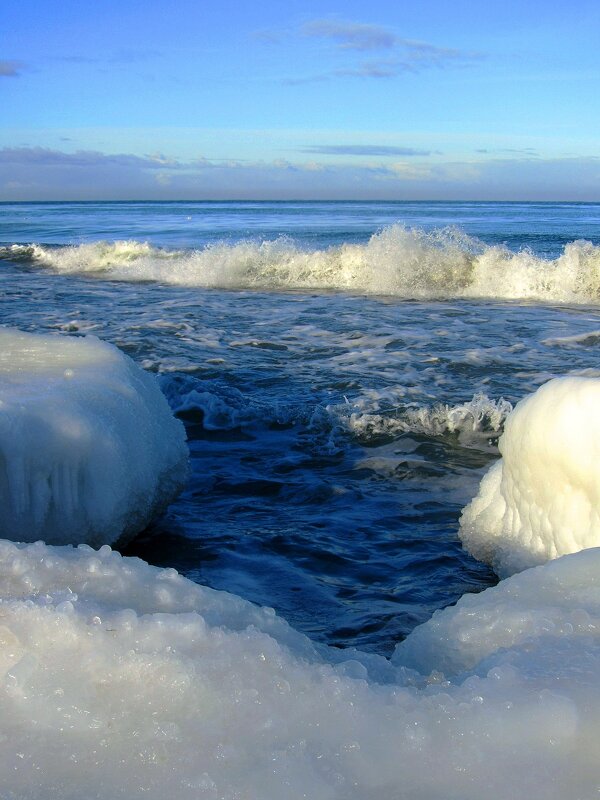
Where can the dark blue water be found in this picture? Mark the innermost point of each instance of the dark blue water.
(334, 436)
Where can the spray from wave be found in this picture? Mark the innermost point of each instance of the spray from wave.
(398, 261)
(474, 422)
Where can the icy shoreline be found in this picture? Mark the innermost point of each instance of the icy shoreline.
(136, 682)
(122, 679)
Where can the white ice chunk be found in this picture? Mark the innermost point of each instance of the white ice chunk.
(121, 680)
(542, 499)
(557, 605)
(89, 449)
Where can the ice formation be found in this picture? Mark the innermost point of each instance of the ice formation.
(118, 679)
(542, 499)
(553, 609)
(89, 449)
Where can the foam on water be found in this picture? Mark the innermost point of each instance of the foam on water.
(376, 413)
(399, 261)
(89, 450)
(587, 339)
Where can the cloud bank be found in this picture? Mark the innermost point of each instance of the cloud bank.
(364, 150)
(45, 174)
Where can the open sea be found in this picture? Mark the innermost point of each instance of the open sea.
(343, 371)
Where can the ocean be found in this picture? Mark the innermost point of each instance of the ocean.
(343, 371)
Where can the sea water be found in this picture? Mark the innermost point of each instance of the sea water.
(343, 370)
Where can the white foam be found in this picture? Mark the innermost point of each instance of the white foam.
(89, 449)
(372, 414)
(385, 414)
(397, 261)
(587, 339)
(119, 679)
(542, 499)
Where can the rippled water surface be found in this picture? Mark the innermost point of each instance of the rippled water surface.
(335, 434)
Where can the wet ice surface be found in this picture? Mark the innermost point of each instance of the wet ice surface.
(89, 449)
(121, 680)
(325, 481)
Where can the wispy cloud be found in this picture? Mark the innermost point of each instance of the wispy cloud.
(46, 157)
(521, 151)
(528, 152)
(372, 69)
(398, 54)
(411, 53)
(351, 35)
(10, 69)
(363, 150)
(82, 160)
(117, 58)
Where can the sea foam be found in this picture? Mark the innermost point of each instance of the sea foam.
(372, 414)
(387, 414)
(398, 261)
(89, 449)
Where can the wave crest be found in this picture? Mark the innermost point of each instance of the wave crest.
(474, 422)
(372, 415)
(398, 261)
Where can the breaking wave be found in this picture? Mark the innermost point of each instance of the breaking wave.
(372, 415)
(478, 420)
(397, 261)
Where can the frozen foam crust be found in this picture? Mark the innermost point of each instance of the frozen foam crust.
(542, 499)
(122, 680)
(89, 449)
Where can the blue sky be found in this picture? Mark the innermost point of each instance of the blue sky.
(379, 100)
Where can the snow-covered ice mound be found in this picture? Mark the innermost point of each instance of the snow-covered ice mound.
(89, 449)
(542, 499)
(122, 680)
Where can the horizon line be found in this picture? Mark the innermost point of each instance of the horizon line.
(299, 200)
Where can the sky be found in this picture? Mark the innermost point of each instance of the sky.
(385, 100)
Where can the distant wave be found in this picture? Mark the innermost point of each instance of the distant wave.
(398, 261)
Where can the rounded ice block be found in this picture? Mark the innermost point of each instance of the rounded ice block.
(89, 448)
(542, 499)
